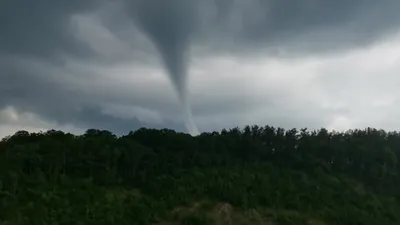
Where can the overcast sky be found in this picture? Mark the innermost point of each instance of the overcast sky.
(80, 64)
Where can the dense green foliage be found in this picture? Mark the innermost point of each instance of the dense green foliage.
(255, 175)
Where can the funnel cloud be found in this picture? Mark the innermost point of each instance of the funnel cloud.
(171, 41)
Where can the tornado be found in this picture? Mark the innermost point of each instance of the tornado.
(169, 25)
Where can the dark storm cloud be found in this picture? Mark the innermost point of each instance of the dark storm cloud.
(33, 31)
(307, 25)
(41, 30)
(44, 94)
(303, 26)
(249, 24)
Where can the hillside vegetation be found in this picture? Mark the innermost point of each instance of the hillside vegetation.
(255, 175)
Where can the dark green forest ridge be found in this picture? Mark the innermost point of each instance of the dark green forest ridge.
(255, 175)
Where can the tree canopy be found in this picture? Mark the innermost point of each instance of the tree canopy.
(254, 175)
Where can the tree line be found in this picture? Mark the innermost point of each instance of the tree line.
(144, 177)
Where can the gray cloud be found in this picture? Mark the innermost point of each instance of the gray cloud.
(298, 27)
(39, 39)
(170, 25)
(40, 28)
(309, 25)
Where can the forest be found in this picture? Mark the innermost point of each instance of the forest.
(251, 175)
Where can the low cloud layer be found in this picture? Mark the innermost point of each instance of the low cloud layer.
(90, 64)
